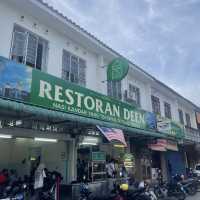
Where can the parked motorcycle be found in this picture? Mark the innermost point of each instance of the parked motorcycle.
(170, 191)
(189, 185)
(126, 192)
(15, 192)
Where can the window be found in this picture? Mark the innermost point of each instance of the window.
(28, 48)
(155, 104)
(114, 89)
(180, 113)
(198, 119)
(73, 68)
(167, 108)
(188, 121)
(134, 94)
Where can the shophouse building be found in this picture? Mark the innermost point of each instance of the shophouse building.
(38, 42)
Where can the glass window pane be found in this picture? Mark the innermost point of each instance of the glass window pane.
(74, 69)
(31, 50)
(66, 65)
(188, 121)
(134, 94)
(155, 104)
(180, 112)
(167, 110)
(82, 72)
(18, 47)
(41, 60)
(114, 89)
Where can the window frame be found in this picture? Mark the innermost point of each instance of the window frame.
(153, 103)
(181, 116)
(45, 52)
(188, 120)
(135, 90)
(167, 110)
(111, 85)
(80, 81)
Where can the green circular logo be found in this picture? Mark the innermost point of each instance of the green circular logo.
(117, 69)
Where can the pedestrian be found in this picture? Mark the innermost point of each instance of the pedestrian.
(3, 177)
(110, 168)
(39, 180)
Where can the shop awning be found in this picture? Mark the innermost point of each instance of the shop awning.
(43, 113)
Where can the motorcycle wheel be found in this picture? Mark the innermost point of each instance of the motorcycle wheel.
(181, 196)
(143, 197)
(192, 190)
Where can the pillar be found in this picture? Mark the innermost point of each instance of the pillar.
(163, 166)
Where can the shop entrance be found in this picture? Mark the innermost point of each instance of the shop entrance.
(175, 163)
(22, 155)
(156, 159)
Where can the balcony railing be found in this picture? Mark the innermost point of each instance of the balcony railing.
(192, 134)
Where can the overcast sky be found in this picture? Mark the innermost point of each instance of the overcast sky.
(160, 36)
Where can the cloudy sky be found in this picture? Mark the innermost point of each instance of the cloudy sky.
(160, 36)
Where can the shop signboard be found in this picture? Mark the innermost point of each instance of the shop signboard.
(34, 87)
(117, 69)
(98, 156)
(169, 127)
(129, 160)
(172, 145)
(163, 145)
(158, 145)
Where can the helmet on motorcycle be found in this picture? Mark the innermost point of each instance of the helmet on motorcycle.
(124, 187)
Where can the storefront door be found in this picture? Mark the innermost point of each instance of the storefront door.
(175, 163)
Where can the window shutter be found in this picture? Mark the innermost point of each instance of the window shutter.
(109, 88)
(82, 72)
(74, 69)
(66, 65)
(119, 90)
(19, 43)
(138, 97)
(31, 50)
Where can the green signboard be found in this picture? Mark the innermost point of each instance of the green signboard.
(129, 160)
(117, 69)
(170, 127)
(98, 156)
(34, 87)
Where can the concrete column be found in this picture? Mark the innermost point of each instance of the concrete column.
(72, 159)
(138, 167)
(101, 75)
(163, 166)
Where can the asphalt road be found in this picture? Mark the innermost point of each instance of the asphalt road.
(196, 197)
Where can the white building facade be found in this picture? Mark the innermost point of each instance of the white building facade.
(36, 35)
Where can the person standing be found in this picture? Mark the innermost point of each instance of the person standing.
(39, 180)
(110, 167)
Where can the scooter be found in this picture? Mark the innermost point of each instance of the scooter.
(174, 190)
(16, 192)
(189, 185)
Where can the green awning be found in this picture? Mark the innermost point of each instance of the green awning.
(39, 112)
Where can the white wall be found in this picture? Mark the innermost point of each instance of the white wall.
(168, 99)
(145, 92)
(57, 42)
(191, 112)
(175, 105)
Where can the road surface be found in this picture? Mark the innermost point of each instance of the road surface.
(196, 197)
